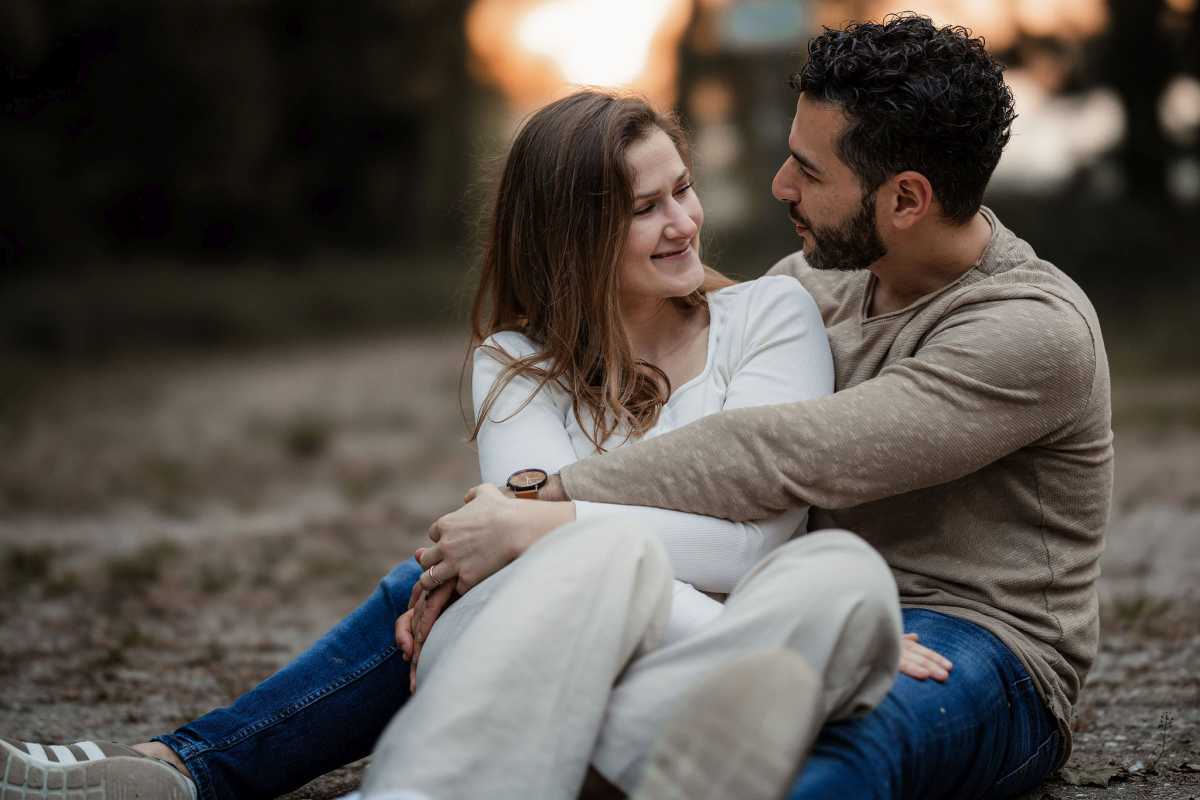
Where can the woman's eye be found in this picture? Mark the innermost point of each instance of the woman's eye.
(683, 189)
(637, 212)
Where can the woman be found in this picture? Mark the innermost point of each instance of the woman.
(639, 339)
(598, 325)
(628, 348)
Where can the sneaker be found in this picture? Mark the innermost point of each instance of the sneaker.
(743, 732)
(87, 771)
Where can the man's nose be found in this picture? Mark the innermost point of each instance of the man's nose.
(784, 186)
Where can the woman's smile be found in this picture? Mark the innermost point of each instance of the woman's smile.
(674, 254)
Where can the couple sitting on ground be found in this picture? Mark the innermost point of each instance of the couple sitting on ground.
(916, 376)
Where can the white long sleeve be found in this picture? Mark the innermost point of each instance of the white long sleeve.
(766, 345)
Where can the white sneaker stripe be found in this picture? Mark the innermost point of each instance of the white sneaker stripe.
(36, 751)
(64, 754)
(94, 753)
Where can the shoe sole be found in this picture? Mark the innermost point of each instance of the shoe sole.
(112, 778)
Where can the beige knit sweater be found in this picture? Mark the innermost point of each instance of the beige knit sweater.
(969, 440)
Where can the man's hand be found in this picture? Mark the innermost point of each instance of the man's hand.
(414, 625)
(483, 536)
(918, 661)
(404, 635)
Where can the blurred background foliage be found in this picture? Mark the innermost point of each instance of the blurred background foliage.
(223, 173)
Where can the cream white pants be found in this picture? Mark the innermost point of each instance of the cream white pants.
(555, 661)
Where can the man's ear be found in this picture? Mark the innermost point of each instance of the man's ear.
(911, 198)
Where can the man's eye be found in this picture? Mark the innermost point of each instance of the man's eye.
(806, 174)
(803, 170)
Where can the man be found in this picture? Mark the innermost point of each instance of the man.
(968, 441)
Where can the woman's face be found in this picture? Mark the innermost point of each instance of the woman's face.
(661, 258)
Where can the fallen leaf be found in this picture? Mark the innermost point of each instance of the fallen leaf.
(1096, 776)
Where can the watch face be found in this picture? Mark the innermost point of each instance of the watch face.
(527, 479)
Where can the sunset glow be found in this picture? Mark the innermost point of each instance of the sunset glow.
(1001, 22)
(612, 53)
(536, 50)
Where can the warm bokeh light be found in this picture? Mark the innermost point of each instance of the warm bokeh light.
(1179, 109)
(998, 21)
(535, 50)
(1039, 17)
(1054, 135)
(711, 101)
(1182, 6)
(615, 49)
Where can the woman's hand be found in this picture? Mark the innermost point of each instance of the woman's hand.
(405, 640)
(483, 536)
(471, 543)
(918, 661)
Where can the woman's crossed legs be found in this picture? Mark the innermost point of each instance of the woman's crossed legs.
(516, 683)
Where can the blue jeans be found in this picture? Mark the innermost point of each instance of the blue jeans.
(320, 712)
(984, 733)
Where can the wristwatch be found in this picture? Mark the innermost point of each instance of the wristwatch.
(525, 483)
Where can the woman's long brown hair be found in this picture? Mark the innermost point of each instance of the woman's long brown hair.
(561, 215)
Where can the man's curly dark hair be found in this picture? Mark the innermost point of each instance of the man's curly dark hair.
(917, 97)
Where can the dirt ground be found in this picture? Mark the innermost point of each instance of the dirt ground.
(172, 532)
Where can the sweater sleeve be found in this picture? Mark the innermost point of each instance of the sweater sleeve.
(784, 357)
(991, 377)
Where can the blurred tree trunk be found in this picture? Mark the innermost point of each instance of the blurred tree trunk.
(1137, 62)
(448, 132)
(760, 114)
(1191, 48)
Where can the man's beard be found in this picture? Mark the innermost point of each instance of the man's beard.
(850, 246)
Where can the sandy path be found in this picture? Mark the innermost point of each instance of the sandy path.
(170, 533)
